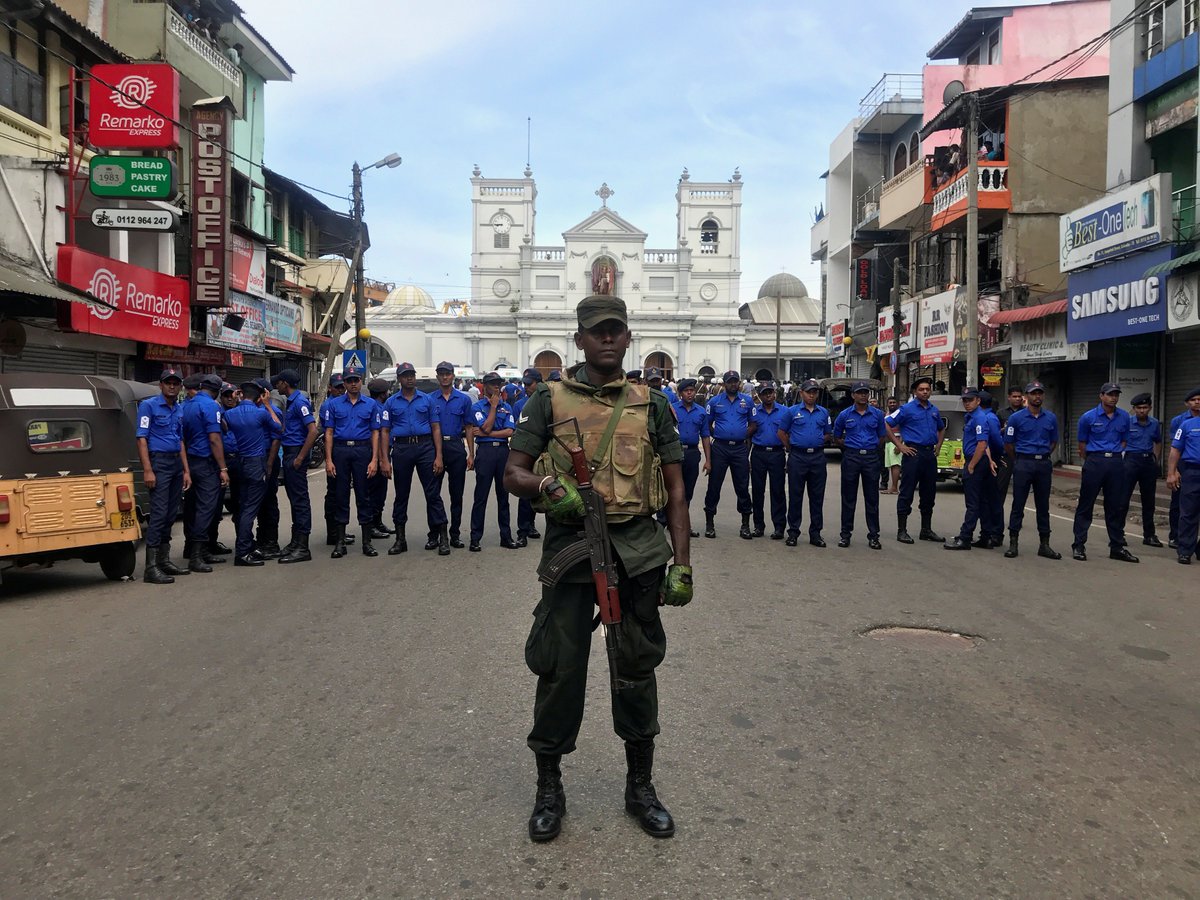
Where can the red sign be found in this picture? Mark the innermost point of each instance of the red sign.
(138, 304)
(862, 279)
(247, 266)
(210, 205)
(134, 107)
(197, 354)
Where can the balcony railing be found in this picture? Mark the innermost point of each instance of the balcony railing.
(549, 254)
(950, 203)
(664, 257)
(866, 209)
(1183, 209)
(203, 48)
(890, 88)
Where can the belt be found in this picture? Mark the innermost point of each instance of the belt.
(1107, 455)
(490, 442)
(1033, 456)
(920, 446)
(690, 446)
(861, 452)
(767, 448)
(729, 443)
(359, 443)
(229, 455)
(164, 452)
(452, 437)
(1138, 454)
(806, 449)
(412, 439)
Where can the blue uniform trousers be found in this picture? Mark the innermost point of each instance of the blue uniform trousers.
(295, 483)
(1141, 474)
(978, 490)
(204, 496)
(234, 463)
(268, 510)
(406, 459)
(1036, 475)
(1173, 517)
(1188, 534)
(806, 471)
(490, 460)
(351, 462)
(164, 496)
(860, 466)
(526, 517)
(454, 468)
(991, 514)
(729, 456)
(254, 487)
(768, 464)
(377, 486)
(918, 474)
(1106, 473)
(690, 467)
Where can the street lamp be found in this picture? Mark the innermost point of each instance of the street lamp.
(360, 313)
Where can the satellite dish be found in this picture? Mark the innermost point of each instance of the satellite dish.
(952, 91)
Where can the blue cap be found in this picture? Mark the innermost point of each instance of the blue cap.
(444, 366)
(970, 394)
(1110, 387)
(263, 385)
(493, 378)
(686, 383)
(653, 372)
(922, 379)
(289, 376)
(634, 373)
(336, 380)
(1035, 386)
(169, 373)
(766, 386)
(857, 386)
(533, 373)
(555, 375)
(353, 371)
(212, 382)
(732, 375)
(1193, 393)
(406, 368)
(192, 382)
(250, 388)
(811, 385)
(227, 388)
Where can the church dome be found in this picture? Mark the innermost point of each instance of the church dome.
(409, 295)
(783, 285)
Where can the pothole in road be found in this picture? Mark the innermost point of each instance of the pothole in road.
(923, 637)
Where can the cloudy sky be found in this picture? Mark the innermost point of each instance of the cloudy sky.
(622, 92)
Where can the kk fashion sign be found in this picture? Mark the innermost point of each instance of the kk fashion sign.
(133, 107)
(937, 328)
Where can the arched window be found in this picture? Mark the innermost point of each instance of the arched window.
(900, 161)
(708, 236)
(707, 371)
(914, 148)
(546, 361)
(661, 361)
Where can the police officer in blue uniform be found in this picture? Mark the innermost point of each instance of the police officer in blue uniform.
(352, 451)
(299, 435)
(694, 435)
(411, 428)
(526, 517)
(337, 388)
(805, 435)
(493, 424)
(1030, 436)
(1102, 434)
(267, 542)
(859, 430)
(458, 451)
(164, 472)
(730, 426)
(201, 428)
(917, 431)
(991, 513)
(654, 378)
(1143, 448)
(1173, 509)
(1183, 478)
(377, 484)
(768, 461)
(978, 467)
(258, 430)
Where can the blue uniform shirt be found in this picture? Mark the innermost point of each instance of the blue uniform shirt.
(1177, 421)
(807, 429)
(769, 425)
(228, 438)
(727, 419)
(452, 412)
(161, 424)
(693, 423)
(1100, 434)
(917, 424)
(351, 421)
(253, 426)
(860, 431)
(995, 435)
(409, 418)
(480, 411)
(201, 417)
(976, 427)
(296, 420)
(1187, 438)
(671, 395)
(1142, 438)
(1030, 434)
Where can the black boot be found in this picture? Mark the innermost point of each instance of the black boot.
(330, 533)
(153, 574)
(1044, 549)
(1011, 552)
(550, 803)
(443, 541)
(379, 531)
(927, 532)
(269, 549)
(902, 534)
(710, 527)
(164, 561)
(208, 555)
(299, 551)
(431, 542)
(745, 533)
(194, 551)
(339, 541)
(367, 548)
(640, 798)
(400, 545)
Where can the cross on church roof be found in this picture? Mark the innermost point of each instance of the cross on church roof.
(604, 193)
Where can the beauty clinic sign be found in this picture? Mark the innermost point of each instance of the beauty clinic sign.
(133, 107)
(137, 304)
(210, 203)
(937, 328)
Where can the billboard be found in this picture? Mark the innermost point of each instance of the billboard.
(133, 107)
(210, 204)
(1044, 340)
(247, 266)
(908, 318)
(1118, 299)
(1133, 218)
(251, 336)
(282, 324)
(937, 328)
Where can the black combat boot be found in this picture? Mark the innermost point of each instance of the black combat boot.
(153, 574)
(216, 548)
(902, 534)
(269, 549)
(164, 561)
(194, 551)
(443, 541)
(330, 533)
(710, 527)
(640, 798)
(400, 545)
(209, 555)
(1044, 549)
(299, 551)
(1011, 552)
(927, 532)
(379, 531)
(339, 541)
(431, 542)
(550, 803)
(368, 549)
(745, 533)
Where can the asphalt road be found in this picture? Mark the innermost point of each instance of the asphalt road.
(356, 728)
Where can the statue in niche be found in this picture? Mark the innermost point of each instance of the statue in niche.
(604, 276)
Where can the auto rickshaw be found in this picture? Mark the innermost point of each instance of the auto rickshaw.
(950, 458)
(70, 479)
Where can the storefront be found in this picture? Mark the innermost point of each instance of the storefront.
(1181, 364)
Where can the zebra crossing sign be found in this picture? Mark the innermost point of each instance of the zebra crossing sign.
(354, 362)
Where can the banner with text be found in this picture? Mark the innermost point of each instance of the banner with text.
(937, 328)
(1045, 340)
(251, 336)
(908, 318)
(282, 324)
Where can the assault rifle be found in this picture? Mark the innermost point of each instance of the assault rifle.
(592, 545)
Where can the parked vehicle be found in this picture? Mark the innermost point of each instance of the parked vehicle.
(835, 397)
(70, 479)
(950, 458)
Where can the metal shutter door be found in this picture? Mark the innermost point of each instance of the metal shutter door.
(52, 360)
(1183, 373)
(1083, 394)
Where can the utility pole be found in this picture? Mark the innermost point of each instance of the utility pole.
(360, 312)
(897, 323)
(779, 335)
(972, 150)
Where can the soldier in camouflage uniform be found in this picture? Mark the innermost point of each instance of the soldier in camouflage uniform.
(644, 442)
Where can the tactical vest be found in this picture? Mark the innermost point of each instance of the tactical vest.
(629, 473)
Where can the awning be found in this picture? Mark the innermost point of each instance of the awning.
(17, 281)
(1188, 259)
(1028, 313)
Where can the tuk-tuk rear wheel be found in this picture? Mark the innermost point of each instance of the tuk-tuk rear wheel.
(119, 561)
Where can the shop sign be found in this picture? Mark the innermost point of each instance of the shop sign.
(1045, 340)
(133, 107)
(251, 336)
(862, 278)
(835, 336)
(134, 219)
(139, 304)
(1133, 218)
(937, 328)
(210, 204)
(282, 322)
(1118, 299)
(993, 376)
(908, 318)
(194, 354)
(1183, 302)
(132, 177)
(247, 266)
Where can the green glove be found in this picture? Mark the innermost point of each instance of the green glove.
(565, 508)
(677, 588)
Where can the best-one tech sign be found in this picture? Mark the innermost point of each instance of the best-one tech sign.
(134, 107)
(1117, 299)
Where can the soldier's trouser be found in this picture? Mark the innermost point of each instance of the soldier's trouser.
(351, 462)
(234, 462)
(377, 487)
(454, 469)
(860, 466)
(295, 482)
(768, 464)
(691, 470)
(1141, 474)
(731, 456)
(164, 496)
(200, 504)
(975, 493)
(1173, 517)
(268, 510)
(490, 460)
(917, 474)
(557, 652)
(1102, 472)
(254, 486)
(806, 469)
(1035, 474)
(408, 458)
(1189, 509)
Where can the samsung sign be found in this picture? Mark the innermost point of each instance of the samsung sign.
(1130, 219)
(1118, 299)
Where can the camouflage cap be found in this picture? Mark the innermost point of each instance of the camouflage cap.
(598, 308)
